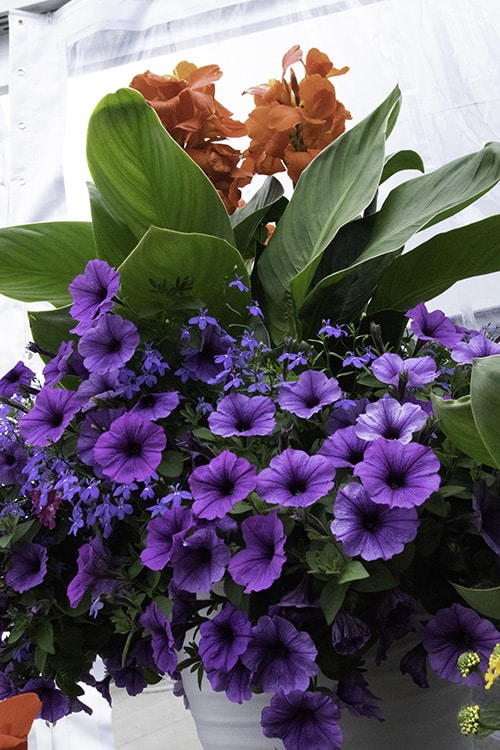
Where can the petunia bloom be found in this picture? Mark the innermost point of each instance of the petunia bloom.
(344, 448)
(224, 638)
(14, 380)
(294, 478)
(399, 475)
(389, 419)
(96, 572)
(243, 416)
(161, 532)
(453, 631)
(433, 326)
(28, 567)
(486, 505)
(309, 394)
(390, 367)
(157, 623)
(349, 633)
(199, 560)
(93, 293)
(109, 344)
(155, 406)
(218, 485)
(259, 564)
(477, 346)
(303, 719)
(12, 461)
(53, 411)
(131, 450)
(369, 529)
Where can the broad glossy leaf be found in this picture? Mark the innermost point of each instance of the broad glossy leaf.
(434, 266)
(246, 219)
(112, 237)
(485, 402)
(51, 327)
(39, 261)
(335, 188)
(484, 601)
(208, 262)
(144, 175)
(400, 161)
(456, 420)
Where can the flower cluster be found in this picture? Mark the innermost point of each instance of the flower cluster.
(473, 719)
(276, 511)
(290, 124)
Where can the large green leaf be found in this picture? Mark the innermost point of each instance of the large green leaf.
(166, 257)
(113, 238)
(408, 208)
(456, 420)
(144, 175)
(38, 261)
(485, 402)
(484, 601)
(51, 327)
(246, 219)
(335, 188)
(400, 161)
(432, 267)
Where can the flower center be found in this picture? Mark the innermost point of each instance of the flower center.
(297, 486)
(243, 424)
(395, 481)
(134, 448)
(226, 487)
(312, 401)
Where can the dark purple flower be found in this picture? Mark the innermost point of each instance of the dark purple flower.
(349, 633)
(55, 704)
(303, 719)
(450, 633)
(345, 413)
(242, 415)
(477, 346)
(389, 419)
(99, 386)
(28, 566)
(390, 367)
(258, 565)
(156, 405)
(433, 326)
(328, 330)
(95, 424)
(109, 344)
(353, 693)
(395, 619)
(224, 639)
(414, 663)
(236, 682)
(295, 478)
(368, 529)
(281, 657)
(309, 394)
(399, 475)
(161, 532)
(131, 450)
(199, 560)
(487, 515)
(12, 461)
(344, 448)
(60, 365)
(13, 380)
(162, 639)
(201, 364)
(218, 485)
(53, 411)
(93, 293)
(96, 572)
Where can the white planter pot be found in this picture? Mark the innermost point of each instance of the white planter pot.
(156, 719)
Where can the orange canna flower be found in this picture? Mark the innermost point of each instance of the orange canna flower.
(308, 113)
(16, 718)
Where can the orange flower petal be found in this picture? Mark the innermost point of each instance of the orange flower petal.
(293, 55)
(16, 718)
(318, 62)
(282, 117)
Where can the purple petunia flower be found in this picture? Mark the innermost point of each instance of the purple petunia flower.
(477, 346)
(344, 448)
(295, 478)
(486, 519)
(94, 425)
(131, 450)
(161, 532)
(93, 293)
(201, 364)
(368, 529)
(345, 413)
(28, 566)
(243, 416)
(236, 682)
(399, 475)
(95, 572)
(55, 704)
(258, 565)
(53, 411)
(218, 485)
(199, 560)
(303, 719)
(309, 394)
(13, 380)
(281, 657)
(224, 639)
(353, 693)
(450, 633)
(349, 633)
(156, 405)
(390, 367)
(12, 461)
(162, 639)
(60, 365)
(101, 386)
(389, 419)
(109, 344)
(433, 326)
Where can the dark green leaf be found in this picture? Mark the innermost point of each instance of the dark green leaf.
(400, 161)
(484, 601)
(113, 239)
